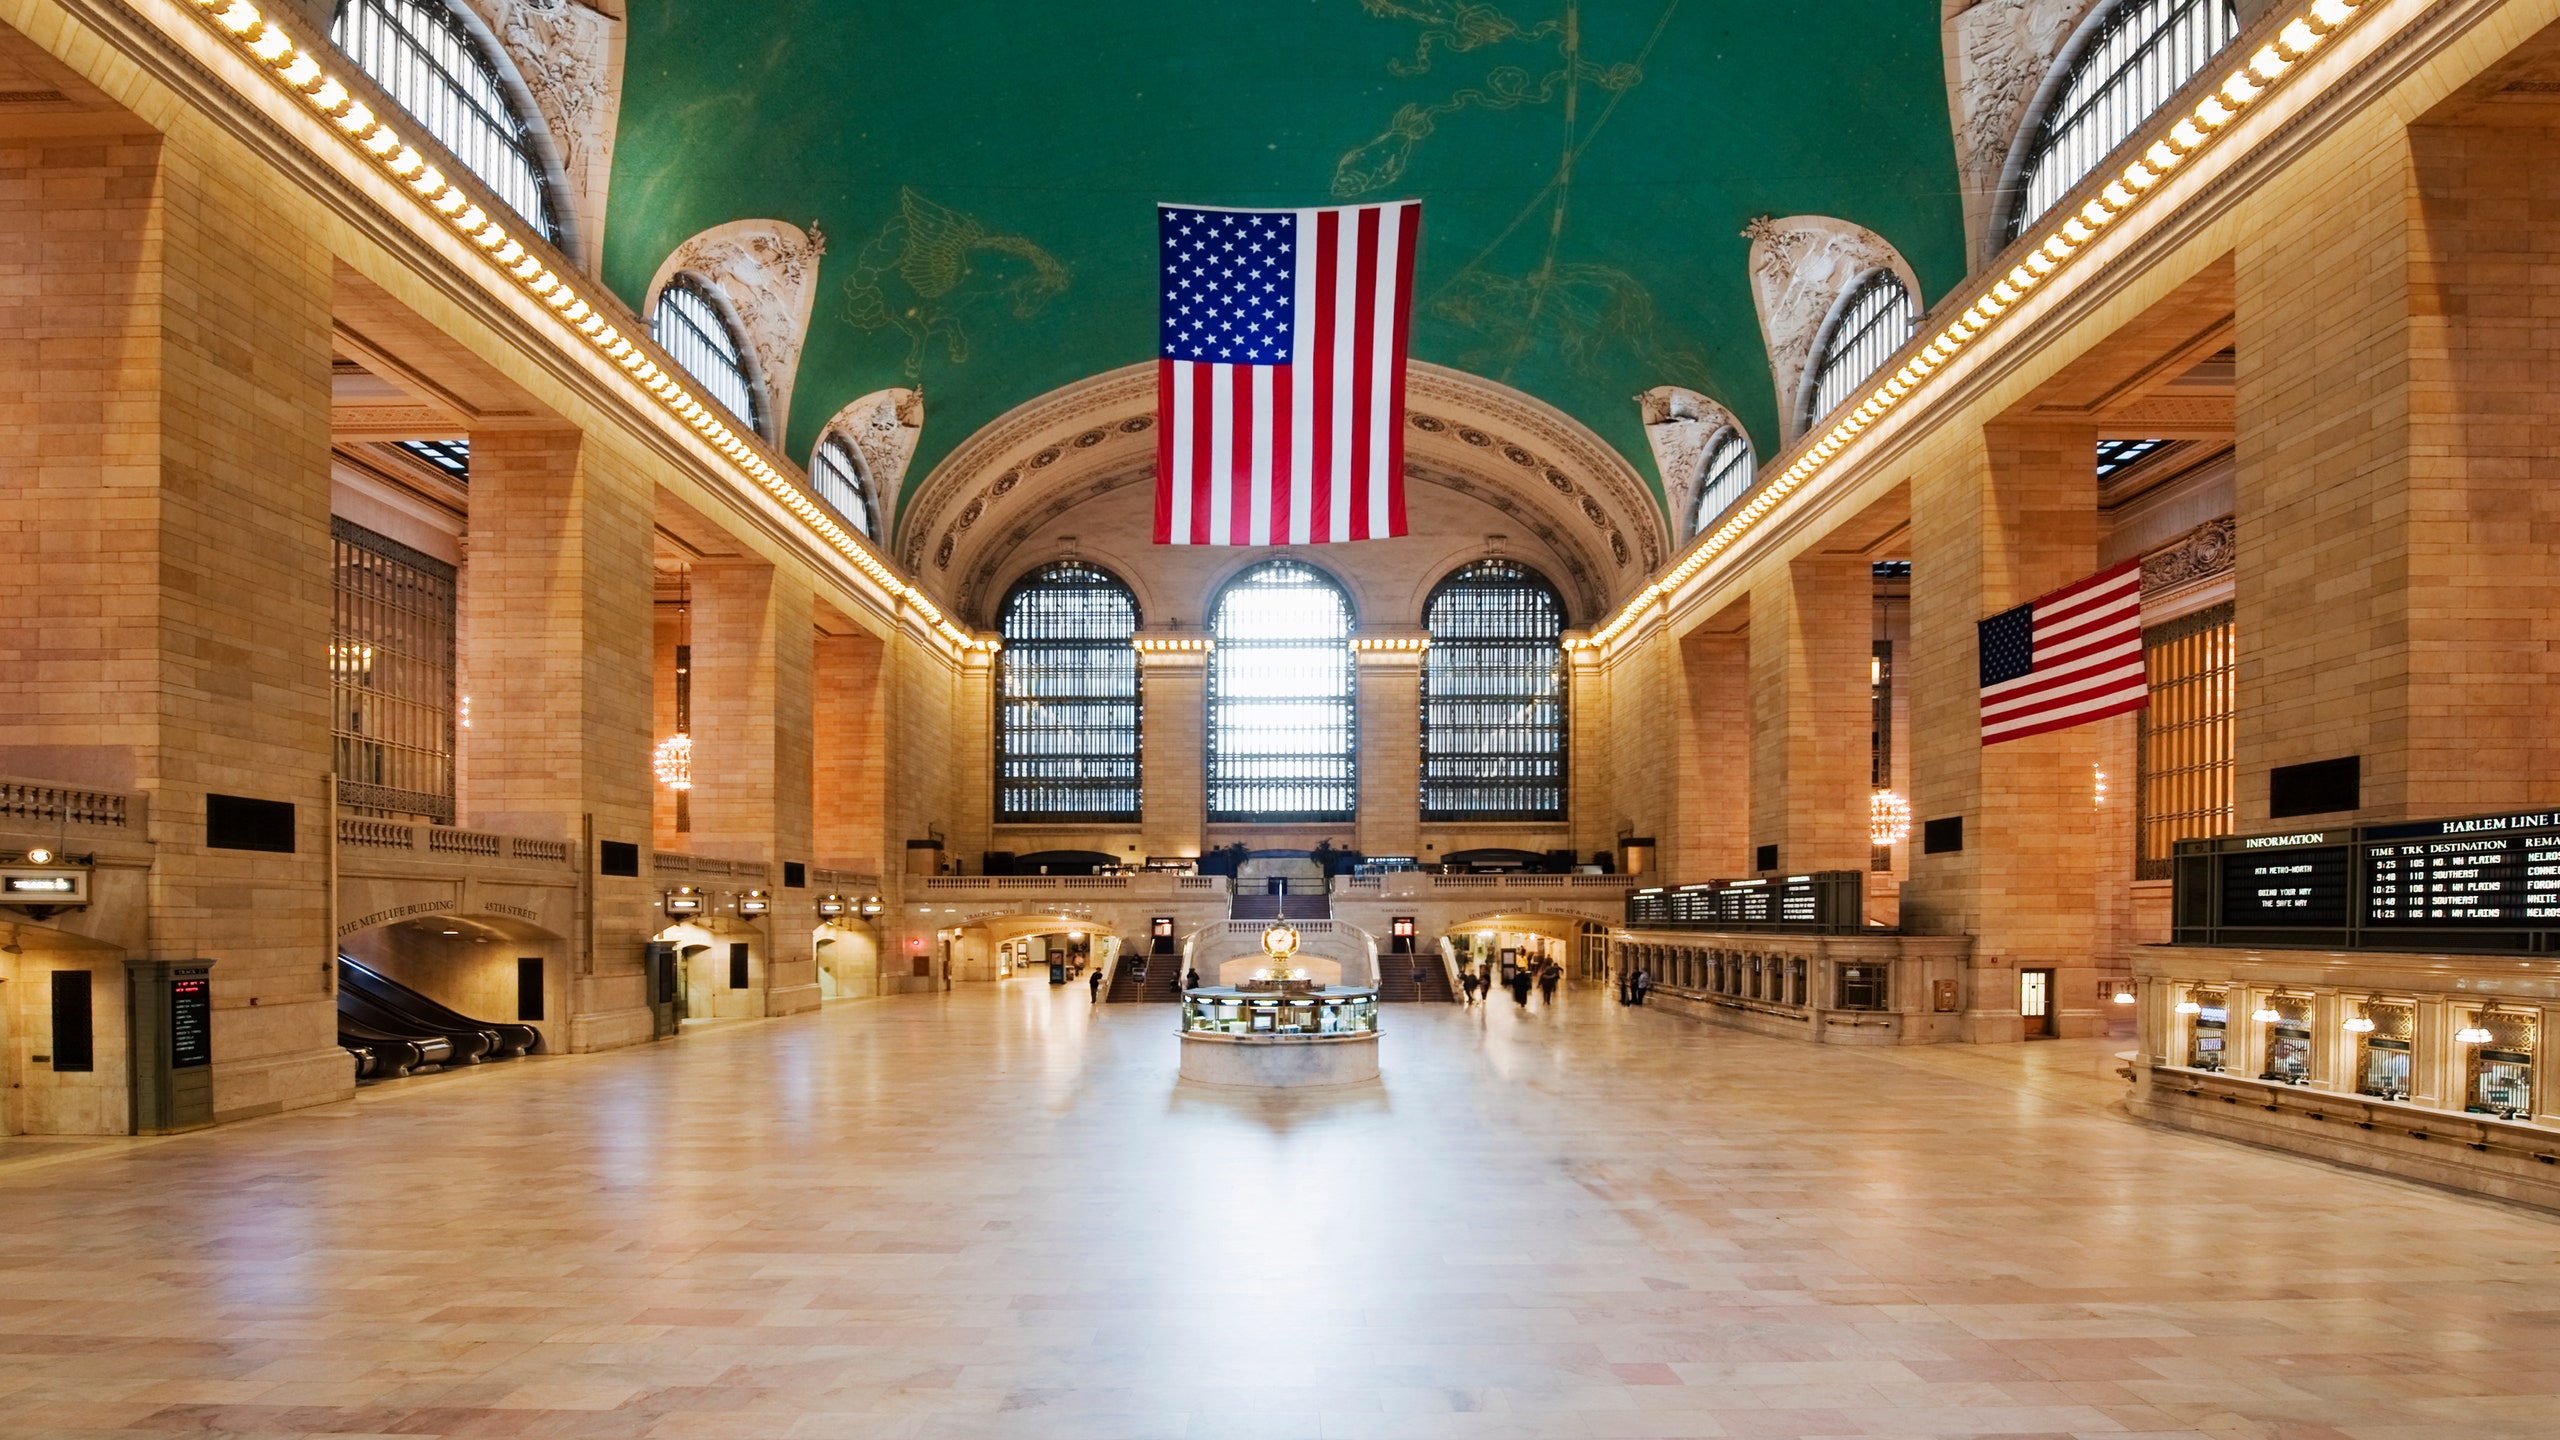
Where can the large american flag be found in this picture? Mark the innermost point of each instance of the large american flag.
(2067, 659)
(1280, 373)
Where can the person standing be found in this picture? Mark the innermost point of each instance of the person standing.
(1643, 982)
(1093, 984)
(1520, 988)
(1191, 979)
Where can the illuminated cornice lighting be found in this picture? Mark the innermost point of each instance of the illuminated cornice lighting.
(526, 264)
(1174, 647)
(2179, 141)
(1394, 643)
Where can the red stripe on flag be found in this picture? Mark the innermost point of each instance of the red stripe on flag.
(1283, 413)
(1328, 269)
(1410, 239)
(1364, 344)
(1165, 428)
(1240, 462)
(1204, 420)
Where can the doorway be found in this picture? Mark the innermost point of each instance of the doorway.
(2035, 1004)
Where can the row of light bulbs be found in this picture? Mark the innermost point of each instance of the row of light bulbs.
(2191, 132)
(294, 68)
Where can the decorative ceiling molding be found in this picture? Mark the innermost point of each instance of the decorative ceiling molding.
(1545, 471)
(1800, 267)
(570, 59)
(1999, 54)
(768, 272)
(1680, 424)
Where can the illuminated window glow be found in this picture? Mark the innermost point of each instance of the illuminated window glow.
(1282, 737)
(1068, 718)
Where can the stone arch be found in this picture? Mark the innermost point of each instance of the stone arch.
(2003, 60)
(564, 60)
(764, 274)
(1802, 268)
(881, 429)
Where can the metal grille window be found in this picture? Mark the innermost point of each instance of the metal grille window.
(1493, 697)
(2188, 735)
(423, 56)
(1729, 470)
(837, 475)
(1877, 320)
(1067, 734)
(1282, 738)
(2144, 52)
(690, 328)
(391, 677)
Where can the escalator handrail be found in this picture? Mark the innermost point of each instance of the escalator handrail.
(392, 995)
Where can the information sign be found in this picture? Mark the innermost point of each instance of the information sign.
(2501, 871)
(2296, 888)
(190, 1022)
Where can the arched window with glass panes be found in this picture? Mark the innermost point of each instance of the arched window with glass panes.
(1283, 739)
(693, 328)
(1493, 697)
(843, 484)
(2117, 73)
(1875, 318)
(1068, 700)
(428, 60)
(1724, 477)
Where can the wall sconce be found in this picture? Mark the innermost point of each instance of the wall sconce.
(2359, 1025)
(2190, 1007)
(871, 907)
(832, 906)
(2265, 1015)
(682, 900)
(2474, 1033)
(754, 902)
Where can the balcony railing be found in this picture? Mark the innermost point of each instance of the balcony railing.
(380, 837)
(40, 802)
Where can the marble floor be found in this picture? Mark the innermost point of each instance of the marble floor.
(997, 1214)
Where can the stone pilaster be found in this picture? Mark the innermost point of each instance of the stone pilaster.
(753, 653)
(1811, 640)
(1173, 764)
(1389, 679)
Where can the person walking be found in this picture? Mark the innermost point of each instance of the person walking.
(1520, 988)
(1547, 983)
(1093, 984)
(1467, 982)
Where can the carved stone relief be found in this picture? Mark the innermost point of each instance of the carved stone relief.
(1800, 267)
(768, 271)
(570, 55)
(882, 428)
(2200, 554)
(1680, 424)
(1998, 55)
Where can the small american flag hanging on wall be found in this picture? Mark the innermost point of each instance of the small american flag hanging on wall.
(2067, 659)
(1280, 373)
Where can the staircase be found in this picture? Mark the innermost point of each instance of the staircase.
(1125, 984)
(1318, 906)
(1395, 980)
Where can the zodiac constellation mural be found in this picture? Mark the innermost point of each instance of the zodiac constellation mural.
(918, 274)
(1578, 308)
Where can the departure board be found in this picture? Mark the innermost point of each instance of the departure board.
(190, 1021)
(2296, 888)
(1830, 902)
(2499, 871)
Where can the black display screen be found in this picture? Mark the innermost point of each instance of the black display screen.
(2501, 871)
(190, 1022)
(2302, 888)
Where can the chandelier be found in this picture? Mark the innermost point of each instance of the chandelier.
(1888, 819)
(674, 762)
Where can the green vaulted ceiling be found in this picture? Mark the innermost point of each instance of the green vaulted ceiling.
(986, 171)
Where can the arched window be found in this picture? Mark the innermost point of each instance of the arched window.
(690, 327)
(1875, 320)
(1282, 741)
(843, 483)
(1067, 723)
(1493, 722)
(424, 57)
(2124, 68)
(1726, 477)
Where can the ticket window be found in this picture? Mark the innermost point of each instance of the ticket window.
(1863, 987)
(1795, 982)
(2384, 1048)
(2288, 1022)
(2501, 1065)
(2209, 1029)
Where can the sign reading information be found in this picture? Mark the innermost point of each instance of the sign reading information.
(2488, 882)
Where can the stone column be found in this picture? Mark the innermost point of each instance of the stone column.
(849, 759)
(2396, 496)
(1591, 798)
(165, 605)
(2025, 884)
(559, 623)
(754, 650)
(1812, 638)
(1173, 759)
(1712, 754)
(1389, 677)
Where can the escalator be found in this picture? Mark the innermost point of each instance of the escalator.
(513, 1038)
(390, 1030)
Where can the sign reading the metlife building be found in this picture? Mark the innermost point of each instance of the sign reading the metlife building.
(2497, 870)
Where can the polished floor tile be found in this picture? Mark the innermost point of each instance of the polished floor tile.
(998, 1214)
